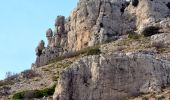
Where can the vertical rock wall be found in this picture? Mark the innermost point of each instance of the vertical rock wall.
(112, 77)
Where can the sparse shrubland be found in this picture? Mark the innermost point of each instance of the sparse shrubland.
(133, 35)
(29, 94)
(86, 51)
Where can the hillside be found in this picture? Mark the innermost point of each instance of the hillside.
(105, 50)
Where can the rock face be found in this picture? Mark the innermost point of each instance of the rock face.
(112, 77)
(40, 48)
(49, 35)
(4, 91)
(148, 13)
(96, 21)
(99, 21)
(57, 42)
(163, 39)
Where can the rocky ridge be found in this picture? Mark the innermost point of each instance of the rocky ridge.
(95, 22)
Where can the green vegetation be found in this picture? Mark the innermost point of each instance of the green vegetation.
(95, 50)
(59, 66)
(133, 35)
(2, 83)
(129, 45)
(63, 64)
(13, 78)
(55, 78)
(29, 94)
(6, 82)
(161, 98)
(45, 69)
(145, 98)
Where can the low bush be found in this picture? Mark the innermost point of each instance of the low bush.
(145, 98)
(29, 74)
(2, 83)
(133, 35)
(55, 78)
(93, 51)
(6, 82)
(86, 51)
(161, 98)
(29, 94)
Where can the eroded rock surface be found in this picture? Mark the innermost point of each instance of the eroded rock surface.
(113, 77)
(162, 39)
(98, 21)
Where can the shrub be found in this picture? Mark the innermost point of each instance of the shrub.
(29, 94)
(12, 78)
(55, 78)
(18, 95)
(161, 98)
(93, 51)
(8, 81)
(2, 83)
(145, 98)
(86, 51)
(133, 35)
(149, 31)
(28, 74)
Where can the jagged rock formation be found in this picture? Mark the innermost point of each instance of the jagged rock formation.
(98, 21)
(40, 48)
(113, 77)
(49, 35)
(57, 42)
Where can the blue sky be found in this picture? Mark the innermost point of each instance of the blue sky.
(23, 24)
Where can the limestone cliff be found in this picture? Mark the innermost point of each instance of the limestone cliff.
(98, 21)
(113, 77)
(105, 50)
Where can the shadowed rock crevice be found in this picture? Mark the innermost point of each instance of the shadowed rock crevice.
(135, 3)
(168, 5)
